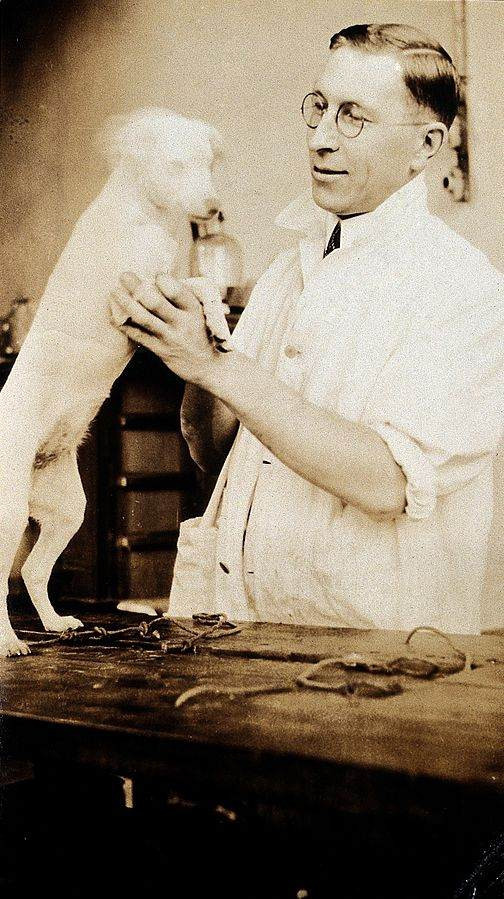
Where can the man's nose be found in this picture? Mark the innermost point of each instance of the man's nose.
(325, 137)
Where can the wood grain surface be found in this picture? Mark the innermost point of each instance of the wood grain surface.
(113, 707)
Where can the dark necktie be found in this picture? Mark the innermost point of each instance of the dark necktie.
(334, 240)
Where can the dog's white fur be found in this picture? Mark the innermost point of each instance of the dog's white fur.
(162, 178)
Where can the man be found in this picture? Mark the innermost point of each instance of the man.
(361, 400)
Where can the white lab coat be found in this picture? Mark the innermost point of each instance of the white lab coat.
(401, 328)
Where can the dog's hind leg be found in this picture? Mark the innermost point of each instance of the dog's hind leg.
(13, 521)
(57, 502)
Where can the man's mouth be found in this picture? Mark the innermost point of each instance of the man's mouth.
(323, 174)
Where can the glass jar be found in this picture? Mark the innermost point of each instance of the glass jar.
(218, 256)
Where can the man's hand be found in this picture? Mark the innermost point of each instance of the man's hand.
(166, 317)
(342, 457)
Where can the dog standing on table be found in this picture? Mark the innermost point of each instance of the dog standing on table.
(73, 353)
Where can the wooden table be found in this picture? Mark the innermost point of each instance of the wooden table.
(437, 746)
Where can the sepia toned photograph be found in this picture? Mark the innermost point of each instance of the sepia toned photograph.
(251, 459)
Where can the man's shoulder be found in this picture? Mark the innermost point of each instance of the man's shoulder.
(454, 256)
(440, 262)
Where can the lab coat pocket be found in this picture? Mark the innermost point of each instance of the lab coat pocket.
(193, 585)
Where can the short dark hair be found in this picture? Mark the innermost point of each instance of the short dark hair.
(429, 73)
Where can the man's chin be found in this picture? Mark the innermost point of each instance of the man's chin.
(332, 196)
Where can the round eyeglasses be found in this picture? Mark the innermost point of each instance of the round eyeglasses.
(348, 121)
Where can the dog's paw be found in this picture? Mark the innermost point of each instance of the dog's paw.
(60, 623)
(10, 645)
(214, 311)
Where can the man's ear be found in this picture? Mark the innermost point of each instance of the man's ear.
(434, 137)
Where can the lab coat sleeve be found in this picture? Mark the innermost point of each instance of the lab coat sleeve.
(438, 403)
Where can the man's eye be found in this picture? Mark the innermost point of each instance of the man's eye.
(351, 115)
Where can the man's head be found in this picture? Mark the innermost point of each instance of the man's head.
(402, 90)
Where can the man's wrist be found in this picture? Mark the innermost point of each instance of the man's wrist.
(223, 376)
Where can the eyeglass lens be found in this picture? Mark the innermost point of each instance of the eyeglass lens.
(347, 122)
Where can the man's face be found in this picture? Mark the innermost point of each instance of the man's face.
(351, 175)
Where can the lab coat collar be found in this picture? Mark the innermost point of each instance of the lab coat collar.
(303, 214)
(315, 224)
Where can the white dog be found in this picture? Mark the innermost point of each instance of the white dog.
(73, 353)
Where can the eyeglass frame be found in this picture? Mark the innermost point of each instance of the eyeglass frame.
(362, 120)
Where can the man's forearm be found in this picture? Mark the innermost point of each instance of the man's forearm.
(343, 457)
(208, 427)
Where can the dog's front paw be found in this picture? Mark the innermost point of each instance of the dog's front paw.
(214, 311)
(10, 645)
(60, 623)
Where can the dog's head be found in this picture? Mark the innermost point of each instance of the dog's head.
(170, 157)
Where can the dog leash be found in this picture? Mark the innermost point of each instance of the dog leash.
(147, 634)
(358, 675)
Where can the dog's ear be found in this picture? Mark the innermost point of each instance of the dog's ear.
(110, 138)
(131, 135)
(216, 142)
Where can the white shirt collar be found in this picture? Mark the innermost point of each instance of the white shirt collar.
(303, 215)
